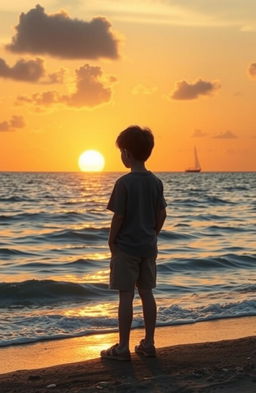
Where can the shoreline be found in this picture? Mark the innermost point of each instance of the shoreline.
(227, 366)
(70, 350)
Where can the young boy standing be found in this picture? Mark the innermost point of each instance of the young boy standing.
(138, 205)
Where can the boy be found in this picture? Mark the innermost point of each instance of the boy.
(139, 213)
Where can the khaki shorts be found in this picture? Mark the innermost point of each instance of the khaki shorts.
(128, 271)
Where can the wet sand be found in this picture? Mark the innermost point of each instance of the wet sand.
(224, 366)
(219, 362)
(51, 353)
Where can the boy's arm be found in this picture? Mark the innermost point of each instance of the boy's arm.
(160, 219)
(116, 224)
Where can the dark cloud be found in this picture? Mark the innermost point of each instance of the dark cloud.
(90, 91)
(29, 71)
(23, 70)
(59, 35)
(225, 135)
(191, 91)
(252, 70)
(11, 125)
(199, 134)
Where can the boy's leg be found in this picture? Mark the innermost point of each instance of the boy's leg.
(149, 313)
(125, 314)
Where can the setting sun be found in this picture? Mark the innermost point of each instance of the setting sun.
(91, 161)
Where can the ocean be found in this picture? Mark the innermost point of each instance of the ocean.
(54, 257)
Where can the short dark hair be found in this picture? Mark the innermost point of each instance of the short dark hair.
(138, 141)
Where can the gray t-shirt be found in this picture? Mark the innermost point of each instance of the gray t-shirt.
(138, 196)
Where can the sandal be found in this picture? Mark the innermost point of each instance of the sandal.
(145, 350)
(113, 353)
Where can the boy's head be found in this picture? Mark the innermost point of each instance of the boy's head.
(137, 141)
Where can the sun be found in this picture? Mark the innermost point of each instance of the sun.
(91, 161)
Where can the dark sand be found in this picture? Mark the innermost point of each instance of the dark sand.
(224, 366)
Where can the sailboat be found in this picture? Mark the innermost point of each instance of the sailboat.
(197, 167)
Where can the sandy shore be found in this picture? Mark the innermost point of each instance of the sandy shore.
(56, 352)
(220, 361)
(223, 366)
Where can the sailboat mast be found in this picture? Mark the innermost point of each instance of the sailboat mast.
(197, 163)
(197, 167)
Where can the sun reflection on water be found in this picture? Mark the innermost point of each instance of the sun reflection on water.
(94, 310)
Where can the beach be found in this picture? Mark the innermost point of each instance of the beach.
(224, 366)
(216, 361)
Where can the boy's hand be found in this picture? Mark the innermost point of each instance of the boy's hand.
(116, 224)
(112, 247)
(160, 220)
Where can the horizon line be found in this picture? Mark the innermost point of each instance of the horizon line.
(102, 172)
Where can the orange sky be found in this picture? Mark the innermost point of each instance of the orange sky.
(75, 74)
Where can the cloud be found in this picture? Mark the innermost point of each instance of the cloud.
(191, 91)
(217, 13)
(199, 134)
(252, 70)
(29, 71)
(208, 13)
(92, 89)
(11, 125)
(53, 78)
(45, 99)
(74, 3)
(23, 70)
(142, 89)
(59, 35)
(56, 77)
(225, 135)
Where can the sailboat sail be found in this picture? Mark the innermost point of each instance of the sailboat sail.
(197, 167)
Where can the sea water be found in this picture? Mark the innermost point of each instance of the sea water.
(54, 257)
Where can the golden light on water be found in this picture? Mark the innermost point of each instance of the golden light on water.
(94, 311)
(91, 161)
